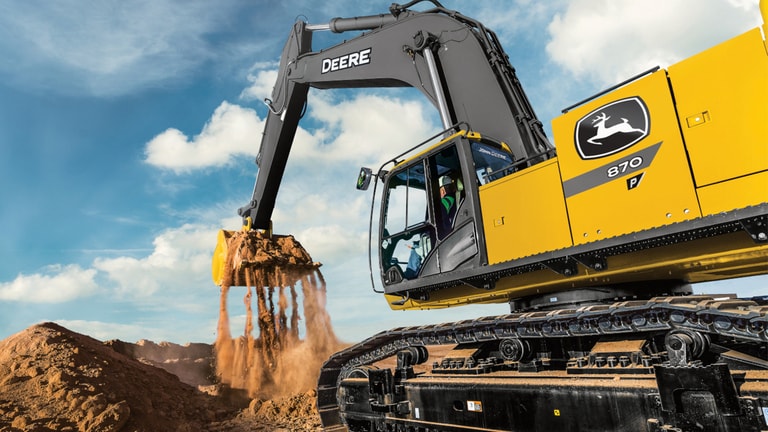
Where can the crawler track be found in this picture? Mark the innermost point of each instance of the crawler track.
(732, 333)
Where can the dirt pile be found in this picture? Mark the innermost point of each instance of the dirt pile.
(192, 362)
(53, 379)
(295, 413)
(281, 274)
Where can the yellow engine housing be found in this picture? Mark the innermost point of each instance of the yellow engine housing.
(704, 152)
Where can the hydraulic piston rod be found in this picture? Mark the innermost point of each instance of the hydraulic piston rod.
(341, 25)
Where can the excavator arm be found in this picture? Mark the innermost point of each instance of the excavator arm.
(434, 51)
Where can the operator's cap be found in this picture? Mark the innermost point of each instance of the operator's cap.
(444, 181)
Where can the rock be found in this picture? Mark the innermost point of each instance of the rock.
(111, 419)
(20, 422)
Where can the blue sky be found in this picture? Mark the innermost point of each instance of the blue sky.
(128, 133)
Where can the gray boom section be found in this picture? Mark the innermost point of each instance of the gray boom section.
(478, 83)
(285, 109)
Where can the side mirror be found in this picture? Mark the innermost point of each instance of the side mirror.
(364, 178)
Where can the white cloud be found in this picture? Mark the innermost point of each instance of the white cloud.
(262, 82)
(181, 258)
(335, 201)
(609, 41)
(334, 243)
(232, 131)
(179, 261)
(365, 129)
(56, 284)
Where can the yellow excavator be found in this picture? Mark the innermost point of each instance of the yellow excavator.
(657, 183)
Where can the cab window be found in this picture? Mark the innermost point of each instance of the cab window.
(407, 236)
(491, 162)
(407, 199)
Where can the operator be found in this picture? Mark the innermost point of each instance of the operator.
(414, 260)
(447, 205)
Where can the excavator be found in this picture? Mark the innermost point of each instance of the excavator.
(656, 184)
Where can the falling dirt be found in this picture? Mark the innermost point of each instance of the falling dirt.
(280, 276)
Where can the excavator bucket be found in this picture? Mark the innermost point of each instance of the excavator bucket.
(237, 252)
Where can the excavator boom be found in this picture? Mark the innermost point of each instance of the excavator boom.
(433, 51)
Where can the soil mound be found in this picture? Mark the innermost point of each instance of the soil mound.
(53, 379)
(193, 363)
(295, 413)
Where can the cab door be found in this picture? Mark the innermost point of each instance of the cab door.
(407, 229)
(420, 235)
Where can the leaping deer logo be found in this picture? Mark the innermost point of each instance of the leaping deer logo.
(612, 127)
(604, 132)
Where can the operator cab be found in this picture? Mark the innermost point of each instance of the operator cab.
(430, 213)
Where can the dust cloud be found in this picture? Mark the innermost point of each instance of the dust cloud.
(280, 277)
